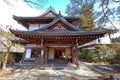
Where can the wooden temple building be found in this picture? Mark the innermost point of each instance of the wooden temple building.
(52, 36)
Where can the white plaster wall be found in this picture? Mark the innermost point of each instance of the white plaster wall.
(35, 26)
(41, 25)
(105, 39)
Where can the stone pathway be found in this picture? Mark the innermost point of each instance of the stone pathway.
(84, 73)
(107, 69)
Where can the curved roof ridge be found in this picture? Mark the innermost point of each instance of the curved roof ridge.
(47, 25)
(63, 20)
(69, 24)
(50, 9)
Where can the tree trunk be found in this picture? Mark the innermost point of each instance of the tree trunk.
(4, 63)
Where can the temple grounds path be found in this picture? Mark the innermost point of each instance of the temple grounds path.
(83, 73)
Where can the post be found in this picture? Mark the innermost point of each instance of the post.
(42, 53)
(37, 51)
(76, 53)
(47, 55)
(112, 77)
(77, 59)
(72, 52)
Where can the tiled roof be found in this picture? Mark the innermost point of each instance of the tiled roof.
(59, 32)
(56, 20)
(18, 18)
(45, 31)
(25, 20)
(49, 10)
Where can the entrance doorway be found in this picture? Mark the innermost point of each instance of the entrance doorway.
(59, 53)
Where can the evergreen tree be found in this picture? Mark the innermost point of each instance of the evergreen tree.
(101, 9)
(86, 16)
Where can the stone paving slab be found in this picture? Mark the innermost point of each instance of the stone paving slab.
(110, 70)
(83, 73)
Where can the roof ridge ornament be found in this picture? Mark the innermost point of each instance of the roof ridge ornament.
(60, 15)
(59, 12)
(51, 8)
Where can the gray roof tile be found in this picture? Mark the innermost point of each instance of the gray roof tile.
(56, 20)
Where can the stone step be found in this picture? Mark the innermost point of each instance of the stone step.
(58, 61)
(28, 61)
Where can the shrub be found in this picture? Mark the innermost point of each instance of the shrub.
(102, 53)
(10, 59)
(82, 54)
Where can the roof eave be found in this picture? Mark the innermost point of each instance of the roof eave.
(58, 33)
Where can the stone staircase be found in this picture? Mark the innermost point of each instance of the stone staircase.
(28, 61)
(58, 64)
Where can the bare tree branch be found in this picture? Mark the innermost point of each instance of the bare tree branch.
(105, 6)
(3, 44)
(107, 12)
(36, 3)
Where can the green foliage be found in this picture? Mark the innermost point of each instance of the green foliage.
(106, 52)
(86, 17)
(101, 9)
(17, 57)
(75, 6)
(103, 53)
(10, 59)
(2, 54)
(5, 41)
(116, 47)
(82, 54)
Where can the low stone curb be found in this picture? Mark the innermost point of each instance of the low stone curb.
(106, 73)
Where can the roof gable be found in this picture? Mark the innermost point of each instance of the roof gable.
(59, 24)
(49, 13)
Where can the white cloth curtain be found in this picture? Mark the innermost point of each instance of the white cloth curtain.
(28, 53)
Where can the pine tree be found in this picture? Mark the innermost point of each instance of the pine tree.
(86, 16)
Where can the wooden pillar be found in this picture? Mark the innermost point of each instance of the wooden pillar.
(37, 52)
(23, 56)
(76, 53)
(77, 58)
(47, 54)
(72, 54)
(42, 53)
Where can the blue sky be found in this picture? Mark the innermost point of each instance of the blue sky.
(20, 8)
(58, 5)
